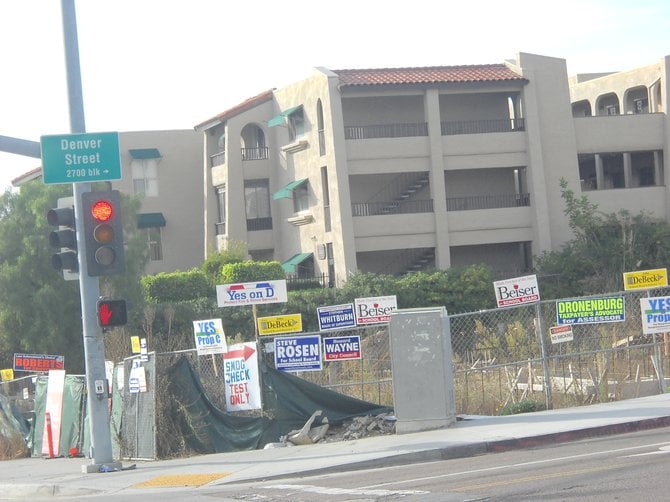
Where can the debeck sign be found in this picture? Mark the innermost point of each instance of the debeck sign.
(249, 293)
(517, 291)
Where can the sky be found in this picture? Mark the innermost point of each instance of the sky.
(172, 64)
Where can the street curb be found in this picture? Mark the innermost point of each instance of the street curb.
(479, 448)
(576, 435)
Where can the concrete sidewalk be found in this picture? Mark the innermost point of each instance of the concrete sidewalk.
(36, 477)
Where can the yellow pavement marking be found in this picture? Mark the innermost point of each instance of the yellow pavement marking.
(181, 480)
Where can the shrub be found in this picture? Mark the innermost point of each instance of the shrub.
(525, 406)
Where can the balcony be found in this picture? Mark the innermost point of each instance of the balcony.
(217, 159)
(488, 202)
(255, 224)
(392, 207)
(386, 131)
(481, 126)
(258, 153)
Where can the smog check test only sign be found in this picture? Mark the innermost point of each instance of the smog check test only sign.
(80, 158)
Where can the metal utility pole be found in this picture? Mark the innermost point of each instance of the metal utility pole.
(94, 350)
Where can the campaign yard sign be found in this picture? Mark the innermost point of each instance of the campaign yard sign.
(591, 310)
(251, 293)
(209, 337)
(655, 314)
(645, 279)
(375, 310)
(243, 387)
(298, 353)
(275, 325)
(336, 317)
(517, 291)
(38, 362)
(340, 348)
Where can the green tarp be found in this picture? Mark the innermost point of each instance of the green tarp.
(288, 402)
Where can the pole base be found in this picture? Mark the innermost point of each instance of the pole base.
(106, 467)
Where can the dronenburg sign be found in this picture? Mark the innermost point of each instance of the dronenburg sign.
(590, 310)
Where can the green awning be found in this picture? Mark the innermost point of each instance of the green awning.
(145, 153)
(290, 265)
(279, 119)
(287, 191)
(150, 220)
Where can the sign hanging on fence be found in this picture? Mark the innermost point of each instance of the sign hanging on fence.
(560, 334)
(340, 348)
(298, 353)
(274, 325)
(655, 314)
(38, 362)
(591, 310)
(645, 279)
(517, 291)
(251, 293)
(209, 337)
(7, 374)
(243, 388)
(336, 317)
(375, 310)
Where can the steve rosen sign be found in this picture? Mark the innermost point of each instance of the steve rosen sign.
(517, 291)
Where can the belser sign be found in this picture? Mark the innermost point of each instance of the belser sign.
(517, 291)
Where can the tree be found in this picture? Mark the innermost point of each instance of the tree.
(40, 312)
(604, 247)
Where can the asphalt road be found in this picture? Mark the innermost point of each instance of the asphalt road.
(629, 467)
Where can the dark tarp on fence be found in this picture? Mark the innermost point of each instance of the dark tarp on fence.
(288, 402)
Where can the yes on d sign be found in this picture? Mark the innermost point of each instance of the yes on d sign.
(80, 158)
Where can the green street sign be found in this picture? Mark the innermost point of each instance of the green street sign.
(80, 158)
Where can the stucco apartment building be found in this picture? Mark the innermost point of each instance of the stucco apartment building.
(163, 169)
(400, 169)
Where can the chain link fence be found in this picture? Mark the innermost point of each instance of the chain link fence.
(501, 357)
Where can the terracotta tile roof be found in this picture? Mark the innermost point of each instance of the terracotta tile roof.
(245, 105)
(428, 75)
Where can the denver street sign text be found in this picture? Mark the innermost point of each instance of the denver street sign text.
(80, 158)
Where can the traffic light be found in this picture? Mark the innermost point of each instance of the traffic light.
(103, 233)
(112, 313)
(65, 238)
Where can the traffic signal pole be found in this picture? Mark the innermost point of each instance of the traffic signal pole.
(89, 287)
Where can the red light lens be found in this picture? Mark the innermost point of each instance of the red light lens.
(102, 210)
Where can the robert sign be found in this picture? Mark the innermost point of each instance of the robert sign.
(517, 291)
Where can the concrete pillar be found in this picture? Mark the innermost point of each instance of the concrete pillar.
(600, 175)
(627, 171)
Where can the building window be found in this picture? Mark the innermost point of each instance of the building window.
(155, 244)
(221, 209)
(301, 198)
(145, 176)
(257, 202)
(326, 198)
(296, 125)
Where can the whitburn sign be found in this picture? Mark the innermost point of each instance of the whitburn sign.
(517, 291)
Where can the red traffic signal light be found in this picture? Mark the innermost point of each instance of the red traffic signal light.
(103, 233)
(112, 313)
